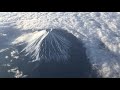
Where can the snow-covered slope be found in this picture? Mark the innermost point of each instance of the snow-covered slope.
(100, 32)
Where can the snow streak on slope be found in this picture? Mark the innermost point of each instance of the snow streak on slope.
(100, 32)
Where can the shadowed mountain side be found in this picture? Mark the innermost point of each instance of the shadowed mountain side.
(77, 66)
